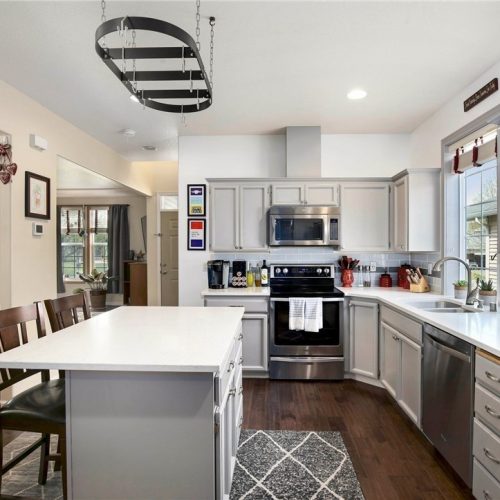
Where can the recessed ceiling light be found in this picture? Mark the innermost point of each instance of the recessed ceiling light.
(149, 148)
(134, 98)
(355, 94)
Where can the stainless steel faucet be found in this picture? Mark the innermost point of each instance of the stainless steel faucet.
(472, 295)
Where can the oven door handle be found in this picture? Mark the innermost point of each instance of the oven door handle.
(325, 299)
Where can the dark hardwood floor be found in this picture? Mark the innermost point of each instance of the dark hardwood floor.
(393, 460)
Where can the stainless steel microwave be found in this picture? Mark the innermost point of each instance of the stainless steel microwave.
(298, 225)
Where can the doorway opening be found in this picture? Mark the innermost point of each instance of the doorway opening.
(169, 248)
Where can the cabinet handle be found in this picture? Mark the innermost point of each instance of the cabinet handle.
(487, 496)
(241, 390)
(241, 360)
(232, 392)
(491, 456)
(491, 412)
(240, 336)
(491, 376)
(230, 367)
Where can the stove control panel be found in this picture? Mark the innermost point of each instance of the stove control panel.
(302, 271)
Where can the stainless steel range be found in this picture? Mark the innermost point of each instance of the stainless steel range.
(297, 354)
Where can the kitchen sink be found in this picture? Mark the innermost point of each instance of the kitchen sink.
(434, 304)
(448, 310)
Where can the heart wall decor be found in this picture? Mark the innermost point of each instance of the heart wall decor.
(7, 167)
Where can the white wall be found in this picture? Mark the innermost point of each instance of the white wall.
(364, 155)
(264, 156)
(425, 147)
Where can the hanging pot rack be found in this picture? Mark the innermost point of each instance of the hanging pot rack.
(202, 97)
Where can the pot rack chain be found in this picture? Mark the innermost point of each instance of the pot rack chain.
(103, 20)
(198, 17)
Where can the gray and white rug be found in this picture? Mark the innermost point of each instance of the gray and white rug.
(22, 480)
(291, 465)
(270, 465)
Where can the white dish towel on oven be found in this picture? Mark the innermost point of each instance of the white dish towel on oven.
(313, 317)
(296, 313)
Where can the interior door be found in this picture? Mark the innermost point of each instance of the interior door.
(169, 258)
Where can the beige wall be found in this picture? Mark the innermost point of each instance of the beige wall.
(162, 176)
(33, 259)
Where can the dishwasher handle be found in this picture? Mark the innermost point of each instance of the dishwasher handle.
(452, 352)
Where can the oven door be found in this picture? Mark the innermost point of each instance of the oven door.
(327, 342)
(300, 230)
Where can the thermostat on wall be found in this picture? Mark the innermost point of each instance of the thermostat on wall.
(37, 229)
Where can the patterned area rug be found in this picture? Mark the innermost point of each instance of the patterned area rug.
(290, 465)
(22, 480)
(271, 465)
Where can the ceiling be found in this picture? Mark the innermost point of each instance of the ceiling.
(74, 181)
(276, 64)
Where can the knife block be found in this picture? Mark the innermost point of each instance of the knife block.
(422, 287)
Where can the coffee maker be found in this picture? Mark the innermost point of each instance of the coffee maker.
(218, 273)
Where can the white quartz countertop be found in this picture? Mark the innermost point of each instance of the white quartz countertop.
(253, 291)
(147, 339)
(481, 329)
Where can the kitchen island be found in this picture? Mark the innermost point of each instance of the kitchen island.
(153, 400)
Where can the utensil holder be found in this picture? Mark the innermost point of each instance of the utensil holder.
(422, 287)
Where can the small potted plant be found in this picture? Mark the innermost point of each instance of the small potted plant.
(461, 289)
(98, 284)
(487, 292)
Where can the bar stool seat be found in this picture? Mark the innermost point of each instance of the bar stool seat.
(44, 402)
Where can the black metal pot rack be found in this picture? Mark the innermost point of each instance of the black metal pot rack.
(129, 79)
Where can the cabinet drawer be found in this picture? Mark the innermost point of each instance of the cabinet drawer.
(487, 448)
(488, 373)
(485, 486)
(251, 304)
(402, 324)
(487, 407)
(232, 366)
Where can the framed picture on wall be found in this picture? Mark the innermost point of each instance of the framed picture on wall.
(196, 234)
(36, 196)
(196, 195)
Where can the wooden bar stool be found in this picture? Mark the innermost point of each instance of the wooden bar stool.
(41, 408)
(64, 311)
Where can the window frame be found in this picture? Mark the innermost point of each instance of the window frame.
(87, 239)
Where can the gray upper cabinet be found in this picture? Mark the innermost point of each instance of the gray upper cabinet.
(365, 216)
(224, 217)
(254, 203)
(289, 193)
(238, 217)
(308, 193)
(416, 211)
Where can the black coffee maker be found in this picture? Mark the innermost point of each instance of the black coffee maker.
(218, 273)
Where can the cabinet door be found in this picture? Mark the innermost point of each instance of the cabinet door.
(224, 218)
(365, 216)
(322, 194)
(254, 202)
(287, 194)
(255, 341)
(409, 397)
(363, 338)
(389, 358)
(401, 214)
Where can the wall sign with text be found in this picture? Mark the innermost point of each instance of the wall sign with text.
(196, 234)
(481, 94)
(196, 200)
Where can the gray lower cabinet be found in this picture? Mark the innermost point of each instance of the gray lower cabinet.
(363, 338)
(401, 361)
(486, 434)
(255, 330)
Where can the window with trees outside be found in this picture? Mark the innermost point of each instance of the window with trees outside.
(84, 240)
(481, 230)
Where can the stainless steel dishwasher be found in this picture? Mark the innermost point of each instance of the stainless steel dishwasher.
(448, 398)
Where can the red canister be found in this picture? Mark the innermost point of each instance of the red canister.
(385, 280)
(403, 276)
